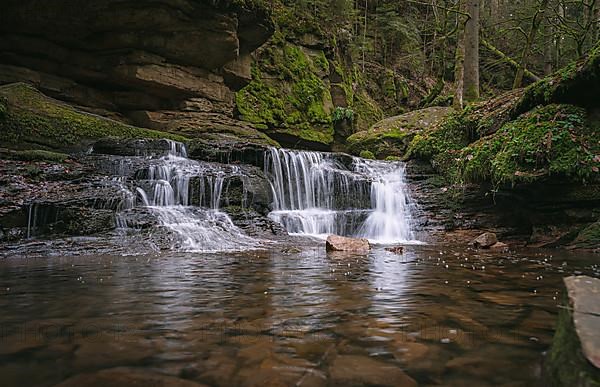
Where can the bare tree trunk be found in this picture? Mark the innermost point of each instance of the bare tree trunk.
(558, 37)
(596, 32)
(535, 25)
(459, 59)
(548, 48)
(471, 76)
(494, 11)
(364, 42)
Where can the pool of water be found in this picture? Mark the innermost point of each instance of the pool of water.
(441, 315)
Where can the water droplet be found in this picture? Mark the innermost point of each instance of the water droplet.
(445, 341)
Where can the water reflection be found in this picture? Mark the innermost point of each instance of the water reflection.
(439, 316)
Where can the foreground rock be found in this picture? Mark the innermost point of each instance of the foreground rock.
(575, 356)
(484, 241)
(339, 243)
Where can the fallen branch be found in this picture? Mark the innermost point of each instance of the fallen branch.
(507, 59)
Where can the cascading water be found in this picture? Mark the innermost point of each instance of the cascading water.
(164, 189)
(390, 220)
(317, 194)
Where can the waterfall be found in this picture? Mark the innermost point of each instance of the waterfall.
(163, 188)
(320, 194)
(390, 218)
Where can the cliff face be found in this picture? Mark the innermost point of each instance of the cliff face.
(172, 65)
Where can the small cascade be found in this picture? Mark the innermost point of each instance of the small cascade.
(320, 194)
(164, 188)
(390, 219)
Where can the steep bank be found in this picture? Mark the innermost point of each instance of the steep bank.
(196, 67)
(313, 85)
(172, 66)
(524, 164)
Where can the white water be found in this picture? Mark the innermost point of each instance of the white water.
(316, 194)
(166, 193)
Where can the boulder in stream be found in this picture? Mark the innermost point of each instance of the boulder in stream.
(340, 243)
(484, 241)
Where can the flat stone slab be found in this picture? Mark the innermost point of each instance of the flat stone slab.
(584, 298)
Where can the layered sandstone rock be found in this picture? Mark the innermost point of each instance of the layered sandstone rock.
(173, 65)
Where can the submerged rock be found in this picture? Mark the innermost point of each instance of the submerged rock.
(339, 243)
(484, 241)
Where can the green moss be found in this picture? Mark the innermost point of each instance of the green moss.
(321, 62)
(33, 118)
(450, 137)
(551, 140)
(39, 155)
(366, 110)
(367, 154)
(389, 85)
(392, 136)
(576, 83)
(286, 95)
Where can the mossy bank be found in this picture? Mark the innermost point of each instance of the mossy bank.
(31, 120)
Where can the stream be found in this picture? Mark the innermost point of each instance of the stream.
(225, 308)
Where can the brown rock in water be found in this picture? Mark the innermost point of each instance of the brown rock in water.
(398, 250)
(484, 241)
(339, 243)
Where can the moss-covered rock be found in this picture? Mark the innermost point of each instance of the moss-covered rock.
(286, 98)
(577, 83)
(550, 140)
(33, 120)
(367, 154)
(36, 155)
(392, 136)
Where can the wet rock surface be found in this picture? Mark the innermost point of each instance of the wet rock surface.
(546, 214)
(584, 293)
(484, 241)
(339, 243)
(573, 359)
